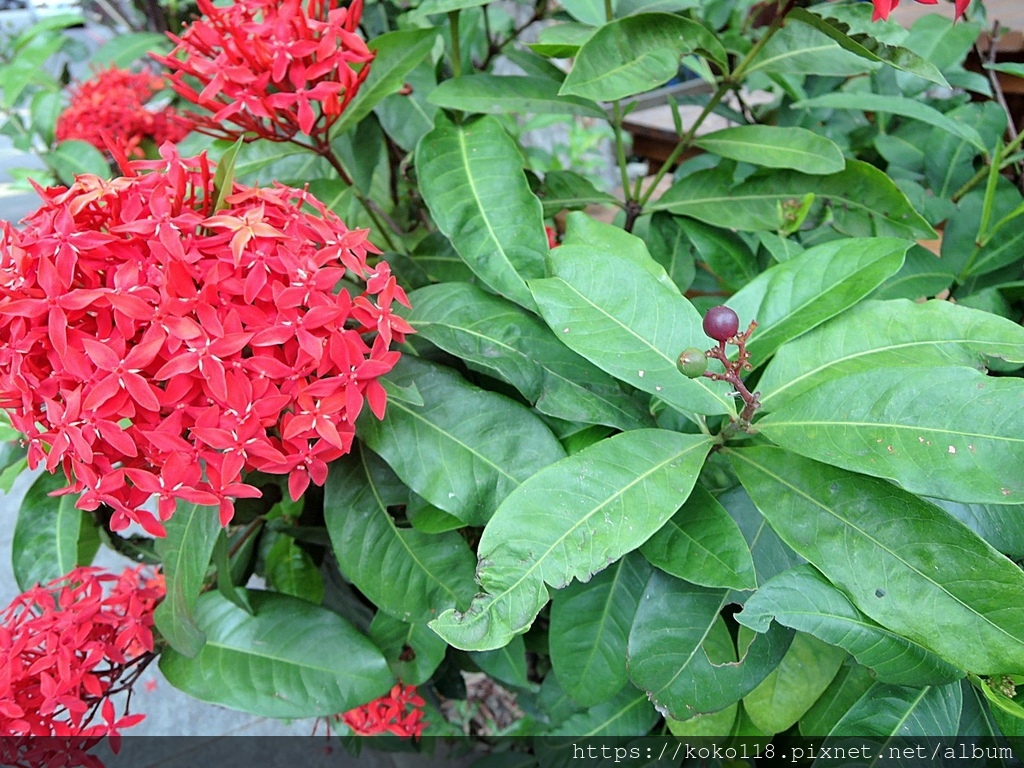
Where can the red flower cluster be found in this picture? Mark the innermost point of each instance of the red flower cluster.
(884, 7)
(151, 345)
(112, 107)
(271, 68)
(65, 649)
(398, 713)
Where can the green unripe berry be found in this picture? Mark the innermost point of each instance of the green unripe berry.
(692, 363)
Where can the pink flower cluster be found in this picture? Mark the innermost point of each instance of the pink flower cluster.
(152, 345)
(111, 108)
(271, 68)
(65, 649)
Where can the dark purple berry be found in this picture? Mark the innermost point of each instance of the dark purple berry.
(721, 323)
(692, 363)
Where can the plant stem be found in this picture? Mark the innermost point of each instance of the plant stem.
(983, 172)
(620, 147)
(372, 210)
(728, 83)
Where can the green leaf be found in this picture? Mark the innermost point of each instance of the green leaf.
(671, 246)
(1015, 68)
(998, 701)
(435, 7)
(11, 473)
(74, 158)
(711, 725)
(562, 41)
(902, 561)
(628, 714)
(895, 105)
(636, 54)
(868, 46)
(998, 524)
(292, 659)
(878, 334)
(803, 599)
(506, 664)
(465, 449)
(703, 545)
(398, 54)
(258, 162)
(185, 552)
(630, 7)
(791, 688)
(850, 683)
(501, 338)
(291, 571)
(571, 520)
(47, 533)
(413, 652)
(221, 557)
(948, 432)
(771, 555)
(791, 298)
(887, 711)
(224, 178)
(472, 179)
(686, 664)
(961, 253)
(629, 319)
(863, 200)
(775, 147)
(124, 50)
(724, 252)
(407, 117)
(565, 189)
(800, 49)
(589, 629)
(407, 573)
(510, 94)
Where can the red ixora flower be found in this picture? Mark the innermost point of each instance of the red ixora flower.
(111, 106)
(884, 7)
(65, 649)
(151, 346)
(271, 68)
(398, 713)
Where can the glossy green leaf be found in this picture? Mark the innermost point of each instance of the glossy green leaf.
(565, 189)
(864, 201)
(1015, 68)
(799, 49)
(895, 105)
(589, 628)
(877, 334)
(569, 521)
(711, 725)
(628, 714)
(668, 657)
(850, 683)
(291, 571)
(74, 158)
(670, 245)
(506, 664)
(497, 336)
(434, 7)
(702, 544)
(406, 118)
(867, 46)
(887, 711)
(923, 274)
(292, 659)
(407, 573)
(471, 177)
(510, 94)
(224, 178)
(125, 49)
(902, 561)
(771, 555)
(465, 449)
(791, 688)
(636, 54)
(398, 54)
(948, 432)
(185, 552)
(629, 319)
(998, 524)
(413, 652)
(803, 599)
(775, 147)
(47, 533)
(961, 252)
(791, 298)
(222, 561)
(259, 162)
(562, 40)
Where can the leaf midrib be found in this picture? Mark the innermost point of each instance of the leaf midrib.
(886, 425)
